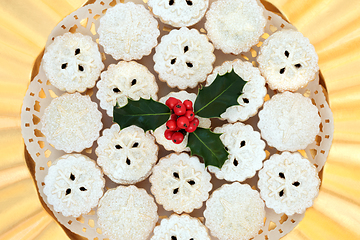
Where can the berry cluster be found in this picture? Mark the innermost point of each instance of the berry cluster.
(182, 120)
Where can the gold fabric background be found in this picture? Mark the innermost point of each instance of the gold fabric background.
(333, 27)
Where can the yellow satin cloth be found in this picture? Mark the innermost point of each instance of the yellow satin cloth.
(333, 27)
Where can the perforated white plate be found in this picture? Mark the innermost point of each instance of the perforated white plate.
(40, 93)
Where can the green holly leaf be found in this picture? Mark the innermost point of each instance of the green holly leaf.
(206, 144)
(147, 114)
(213, 100)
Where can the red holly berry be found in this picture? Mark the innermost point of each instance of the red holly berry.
(182, 122)
(171, 125)
(190, 115)
(195, 121)
(188, 104)
(179, 109)
(191, 128)
(168, 134)
(177, 137)
(173, 117)
(171, 102)
(192, 125)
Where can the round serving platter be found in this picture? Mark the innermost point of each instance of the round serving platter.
(40, 93)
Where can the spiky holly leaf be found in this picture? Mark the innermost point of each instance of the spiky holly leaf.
(206, 144)
(147, 114)
(213, 100)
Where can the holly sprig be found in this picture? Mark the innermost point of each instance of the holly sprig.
(210, 102)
